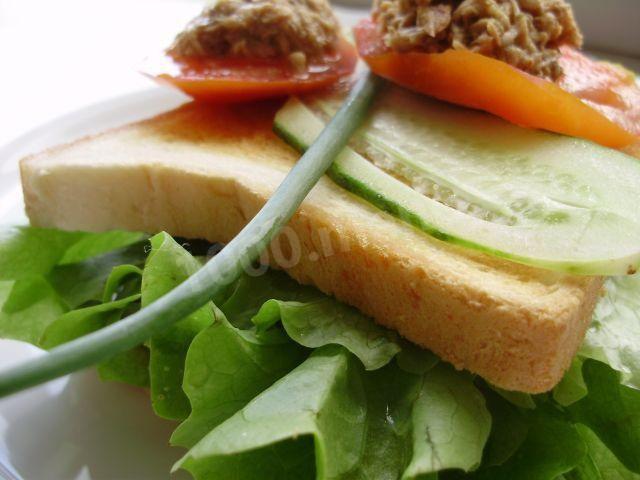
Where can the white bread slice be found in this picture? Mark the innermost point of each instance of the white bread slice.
(203, 172)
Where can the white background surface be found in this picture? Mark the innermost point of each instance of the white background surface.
(57, 56)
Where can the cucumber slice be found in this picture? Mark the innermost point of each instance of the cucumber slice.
(469, 178)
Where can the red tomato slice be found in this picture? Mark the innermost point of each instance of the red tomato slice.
(225, 80)
(611, 89)
(476, 81)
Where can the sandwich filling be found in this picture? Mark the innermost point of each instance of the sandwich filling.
(298, 29)
(524, 33)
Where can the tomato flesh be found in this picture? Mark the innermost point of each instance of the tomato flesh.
(477, 81)
(227, 80)
(608, 88)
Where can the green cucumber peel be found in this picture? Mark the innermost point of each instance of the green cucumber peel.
(210, 281)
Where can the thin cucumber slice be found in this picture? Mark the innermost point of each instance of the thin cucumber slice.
(471, 179)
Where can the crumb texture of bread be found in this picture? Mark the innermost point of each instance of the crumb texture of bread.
(204, 172)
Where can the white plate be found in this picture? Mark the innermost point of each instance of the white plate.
(79, 427)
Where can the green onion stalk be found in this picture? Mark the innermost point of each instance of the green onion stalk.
(210, 282)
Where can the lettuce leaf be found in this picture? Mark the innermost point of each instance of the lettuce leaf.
(551, 448)
(251, 292)
(614, 335)
(169, 265)
(413, 430)
(414, 359)
(78, 323)
(92, 245)
(283, 381)
(519, 399)
(612, 411)
(309, 317)
(391, 394)
(26, 251)
(572, 387)
(509, 429)
(30, 294)
(323, 398)
(451, 423)
(124, 280)
(324, 321)
(128, 367)
(29, 306)
(388, 421)
(227, 367)
(131, 367)
(84, 281)
(600, 463)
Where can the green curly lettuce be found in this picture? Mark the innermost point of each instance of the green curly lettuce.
(281, 381)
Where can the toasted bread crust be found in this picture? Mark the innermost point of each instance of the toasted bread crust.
(203, 172)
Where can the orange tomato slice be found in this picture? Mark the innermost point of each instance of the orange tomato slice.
(473, 80)
(226, 80)
(611, 89)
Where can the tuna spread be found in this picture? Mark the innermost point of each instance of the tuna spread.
(524, 33)
(297, 29)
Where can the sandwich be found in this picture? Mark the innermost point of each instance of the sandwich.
(456, 298)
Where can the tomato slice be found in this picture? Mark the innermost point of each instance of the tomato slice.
(609, 88)
(476, 81)
(226, 80)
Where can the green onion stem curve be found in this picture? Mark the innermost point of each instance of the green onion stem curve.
(210, 281)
